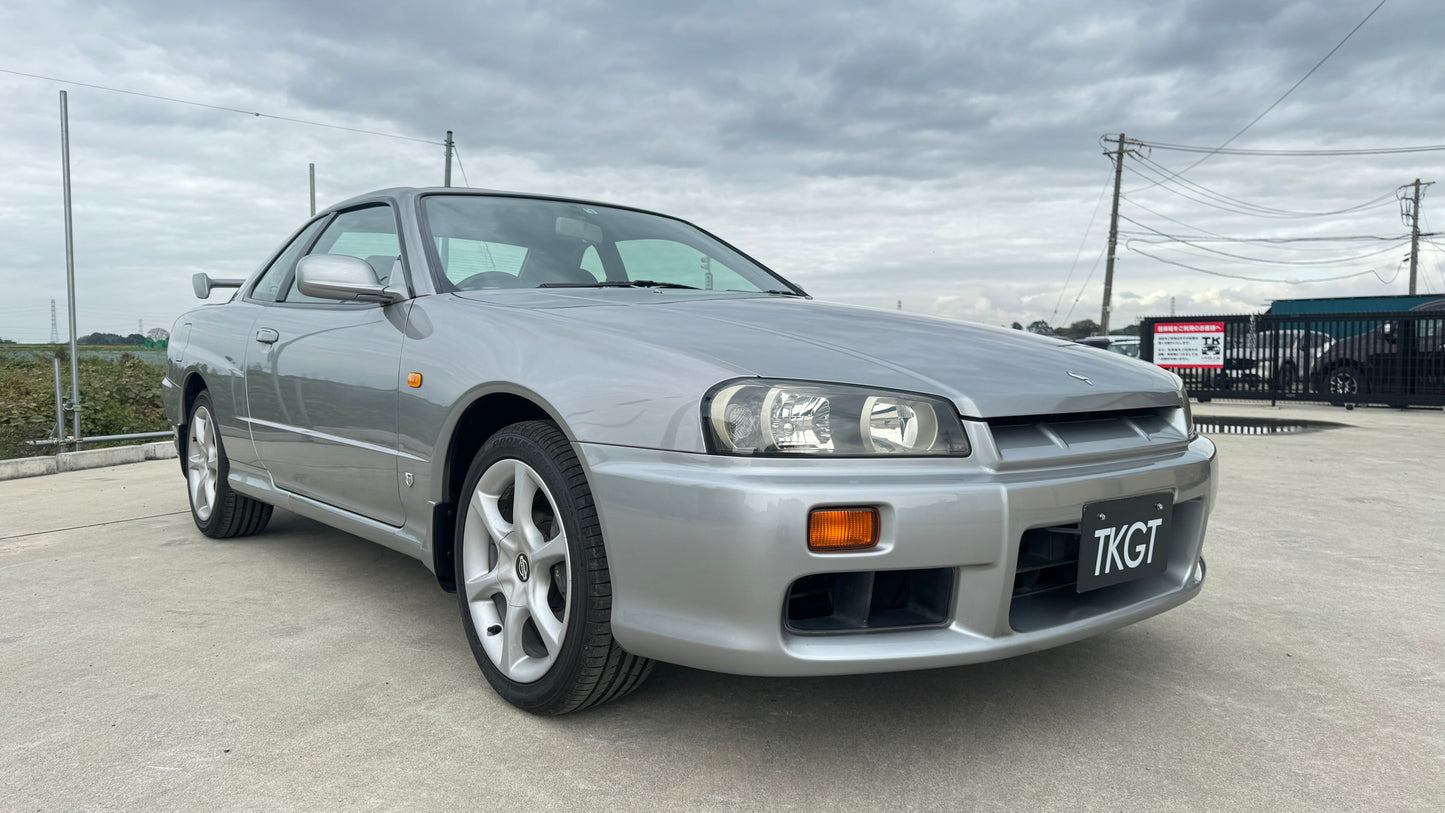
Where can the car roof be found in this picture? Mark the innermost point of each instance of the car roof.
(404, 195)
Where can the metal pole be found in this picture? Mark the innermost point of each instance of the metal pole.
(1415, 237)
(104, 438)
(1113, 239)
(447, 176)
(313, 189)
(59, 402)
(70, 265)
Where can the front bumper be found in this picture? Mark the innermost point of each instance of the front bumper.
(702, 551)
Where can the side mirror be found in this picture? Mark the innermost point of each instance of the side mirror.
(343, 278)
(203, 284)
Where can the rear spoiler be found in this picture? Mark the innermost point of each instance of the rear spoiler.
(203, 284)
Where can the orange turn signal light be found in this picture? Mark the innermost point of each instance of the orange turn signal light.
(413, 379)
(842, 529)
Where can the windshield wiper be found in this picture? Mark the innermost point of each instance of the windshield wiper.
(618, 283)
(769, 292)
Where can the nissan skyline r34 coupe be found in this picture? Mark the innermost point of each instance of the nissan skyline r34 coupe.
(619, 440)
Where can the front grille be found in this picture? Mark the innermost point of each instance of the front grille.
(1048, 561)
(1046, 575)
(1045, 439)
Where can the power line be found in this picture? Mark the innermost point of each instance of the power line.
(458, 154)
(1235, 206)
(220, 107)
(1079, 253)
(1439, 264)
(1333, 261)
(1269, 210)
(1205, 234)
(1281, 241)
(1085, 286)
(1260, 279)
(1210, 153)
(1167, 217)
(1159, 145)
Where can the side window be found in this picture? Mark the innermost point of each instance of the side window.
(269, 285)
(592, 264)
(368, 234)
(669, 261)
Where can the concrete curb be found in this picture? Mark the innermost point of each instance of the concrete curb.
(87, 459)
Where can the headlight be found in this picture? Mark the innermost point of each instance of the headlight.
(757, 417)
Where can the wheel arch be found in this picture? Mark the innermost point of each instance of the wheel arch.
(485, 415)
(192, 388)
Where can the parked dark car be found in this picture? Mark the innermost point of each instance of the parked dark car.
(1273, 358)
(1400, 357)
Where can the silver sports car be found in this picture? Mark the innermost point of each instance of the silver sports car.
(620, 439)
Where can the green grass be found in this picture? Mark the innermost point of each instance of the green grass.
(120, 393)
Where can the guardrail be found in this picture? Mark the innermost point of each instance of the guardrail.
(1395, 359)
(97, 439)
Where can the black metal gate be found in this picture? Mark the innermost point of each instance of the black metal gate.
(1396, 359)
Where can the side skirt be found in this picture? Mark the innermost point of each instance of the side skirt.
(410, 538)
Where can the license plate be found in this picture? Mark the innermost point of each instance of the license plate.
(1124, 540)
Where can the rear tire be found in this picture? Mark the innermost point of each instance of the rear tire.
(534, 589)
(218, 511)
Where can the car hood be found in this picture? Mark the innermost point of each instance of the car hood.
(987, 372)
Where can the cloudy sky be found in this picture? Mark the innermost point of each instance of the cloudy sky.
(942, 154)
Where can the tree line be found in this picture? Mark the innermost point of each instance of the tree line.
(1081, 329)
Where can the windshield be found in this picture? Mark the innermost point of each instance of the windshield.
(485, 242)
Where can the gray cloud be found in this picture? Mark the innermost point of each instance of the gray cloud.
(940, 153)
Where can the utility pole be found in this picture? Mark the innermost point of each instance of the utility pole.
(70, 266)
(1118, 156)
(1415, 232)
(54, 325)
(312, 170)
(447, 176)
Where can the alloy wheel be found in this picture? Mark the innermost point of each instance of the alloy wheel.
(516, 570)
(202, 463)
(1344, 381)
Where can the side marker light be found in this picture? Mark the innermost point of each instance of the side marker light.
(842, 529)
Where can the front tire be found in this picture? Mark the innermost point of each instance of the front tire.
(1285, 378)
(1344, 380)
(533, 585)
(218, 511)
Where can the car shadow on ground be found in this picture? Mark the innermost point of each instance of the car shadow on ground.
(1058, 694)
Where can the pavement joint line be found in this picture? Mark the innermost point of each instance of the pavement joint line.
(91, 525)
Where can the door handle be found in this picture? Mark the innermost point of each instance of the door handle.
(266, 335)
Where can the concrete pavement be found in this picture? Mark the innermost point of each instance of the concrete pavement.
(143, 666)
